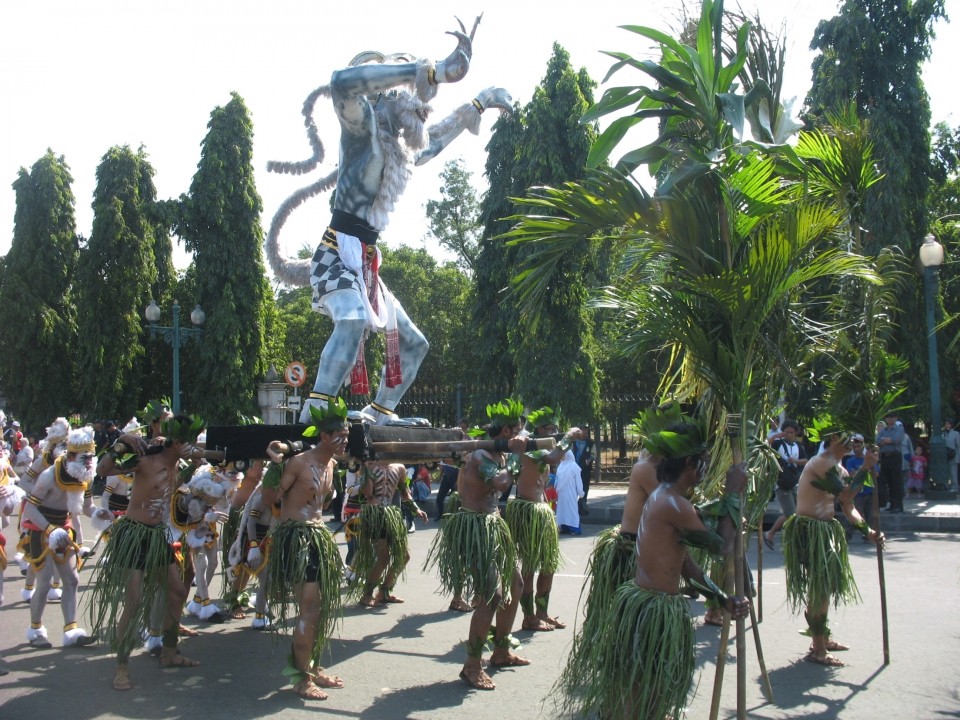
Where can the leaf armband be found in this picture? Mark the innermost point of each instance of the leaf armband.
(831, 482)
(710, 590)
(705, 539)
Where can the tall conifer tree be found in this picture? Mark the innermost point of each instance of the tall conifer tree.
(36, 302)
(221, 225)
(115, 277)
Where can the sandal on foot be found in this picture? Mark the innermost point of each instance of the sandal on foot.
(768, 541)
(184, 631)
(535, 624)
(511, 661)
(459, 606)
(827, 660)
(121, 681)
(480, 681)
(834, 646)
(237, 613)
(327, 681)
(176, 660)
(308, 691)
(557, 625)
(389, 599)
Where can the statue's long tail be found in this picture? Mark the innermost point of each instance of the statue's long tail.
(289, 271)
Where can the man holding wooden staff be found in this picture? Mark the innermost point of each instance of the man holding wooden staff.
(642, 664)
(815, 545)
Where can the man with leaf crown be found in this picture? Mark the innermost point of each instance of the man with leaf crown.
(58, 497)
(304, 557)
(474, 551)
(641, 663)
(139, 564)
(815, 544)
(532, 523)
(612, 561)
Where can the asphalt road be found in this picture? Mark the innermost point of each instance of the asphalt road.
(402, 661)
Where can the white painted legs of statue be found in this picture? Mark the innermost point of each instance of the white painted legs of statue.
(346, 309)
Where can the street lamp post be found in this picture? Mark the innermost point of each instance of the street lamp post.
(175, 335)
(931, 256)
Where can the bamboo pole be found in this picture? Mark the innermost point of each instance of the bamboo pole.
(875, 505)
(760, 573)
(767, 687)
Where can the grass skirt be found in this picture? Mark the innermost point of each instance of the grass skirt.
(132, 545)
(816, 563)
(612, 563)
(534, 531)
(474, 555)
(293, 543)
(452, 505)
(641, 663)
(376, 522)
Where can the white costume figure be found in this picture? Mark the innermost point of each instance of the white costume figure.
(8, 479)
(58, 496)
(52, 447)
(569, 490)
(23, 459)
(249, 553)
(376, 110)
(196, 510)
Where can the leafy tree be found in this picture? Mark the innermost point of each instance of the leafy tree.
(714, 265)
(454, 218)
(113, 284)
(220, 224)
(872, 54)
(437, 298)
(492, 314)
(306, 330)
(36, 299)
(550, 355)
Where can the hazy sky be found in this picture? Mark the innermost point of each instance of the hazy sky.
(81, 77)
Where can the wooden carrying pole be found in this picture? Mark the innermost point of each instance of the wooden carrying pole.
(403, 449)
(875, 506)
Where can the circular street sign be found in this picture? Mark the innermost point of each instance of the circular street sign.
(295, 374)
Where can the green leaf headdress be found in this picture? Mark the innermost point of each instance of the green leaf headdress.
(544, 416)
(182, 428)
(505, 413)
(155, 409)
(327, 419)
(669, 444)
(654, 420)
(825, 427)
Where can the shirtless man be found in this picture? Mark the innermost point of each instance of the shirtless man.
(486, 568)
(612, 561)
(532, 523)
(649, 676)
(139, 562)
(382, 553)
(59, 495)
(815, 545)
(305, 557)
